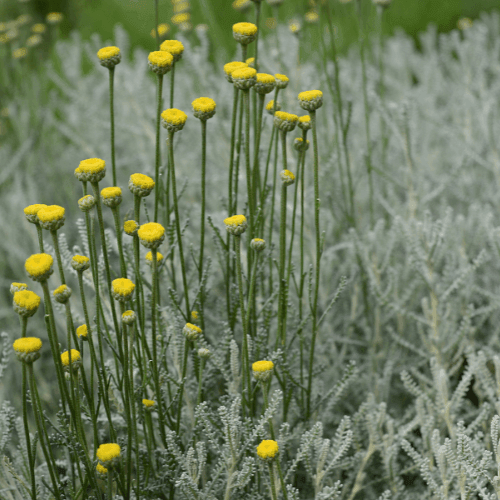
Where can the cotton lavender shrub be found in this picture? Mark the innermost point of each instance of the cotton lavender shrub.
(291, 306)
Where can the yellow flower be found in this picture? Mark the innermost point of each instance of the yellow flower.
(109, 57)
(163, 29)
(270, 107)
(287, 178)
(241, 5)
(311, 17)
(258, 244)
(267, 449)
(160, 61)
(140, 185)
(294, 26)
(33, 41)
(72, 357)
(129, 317)
(51, 217)
(251, 62)
(31, 212)
(130, 227)
(281, 81)
(204, 108)
(80, 263)
(192, 332)
(265, 83)
(232, 66)
(122, 289)
(112, 196)
(39, 28)
(181, 18)
(108, 454)
(149, 257)
(173, 47)
(305, 122)
(20, 53)
(148, 403)
(27, 349)
(86, 203)
(54, 17)
(180, 7)
(82, 331)
(26, 303)
(62, 294)
(17, 287)
(236, 224)
(173, 119)
(151, 234)
(464, 23)
(195, 315)
(101, 471)
(39, 266)
(92, 169)
(244, 78)
(244, 32)
(285, 121)
(263, 370)
(311, 100)
(299, 144)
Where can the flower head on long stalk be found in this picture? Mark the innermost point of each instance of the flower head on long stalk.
(27, 349)
(109, 57)
(230, 67)
(244, 33)
(39, 266)
(26, 303)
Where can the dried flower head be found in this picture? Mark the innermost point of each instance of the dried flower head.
(310, 100)
(173, 119)
(122, 289)
(236, 224)
(27, 349)
(140, 185)
(26, 303)
(109, 57)
(244, 33)
(203, 108)
(39, 266)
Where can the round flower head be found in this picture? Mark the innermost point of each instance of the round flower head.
(192, 332)
(232, 66)
(39, 266)
(285, 121)
(129, 317)
(160, 62)
(151, 234)
(300, 145)
(204, 353)
(33, 41)
(17, 287)
(263, 370)
(311, 100)
(148, 404)
(51, 217)
(80, 263)
(270, 107)
(265, 83)
(27, 349)
(72, 358)
(173, 47)
(141, 185)
(26, 303)
(311, 17)
(241, 5)
(92, 170)
(130, 227)
(173, 119)
(108, 454)
(62, 294)
(294, 26)
(258, 244)
(195, 315)
(267, 450)
(305, 122)
(31, 212)
(54, 17)
(122, 289)
(181, 19)
(109, 57)
(112, 196)
(39, 28)
(149, 257)
(281, 81)
(20, 53)
(102, 472)
(287, 178)
(236, 224)
(86, 203)
(244, 33)
(82, 331)
(203, 108)
(251, 62)
(244, 78)
(163, 30)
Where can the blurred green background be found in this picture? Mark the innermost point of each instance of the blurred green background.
(138, 16)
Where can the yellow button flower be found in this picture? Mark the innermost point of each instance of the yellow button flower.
(204, 108)
(82, 331)
(281, 81)
(62, 294)
(92, 170)
(80, 263)
(236, 224)
(141, 185)
(151, 234)
(264, 84)
(191, 332)
(17, 287)
(27, 349)
(287, 178)
(263, 370)
(285, 121)
(72, 358)
(39, 266)
(267, 450)
(26, 303)
(51, 217)
(108, 454)
(244, 33)
(160, 62)
(122, 289)
(232, 66)
(173, 119)
(311, 100)
(31, 212)
(173, 47)
(130, 227)
(109, 57)
(244, 78)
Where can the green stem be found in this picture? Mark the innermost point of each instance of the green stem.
(200, 380)
(281, 295)
(177, 222)
(159, 88)
(256, 168)
(318, 257)
(181, 392)
(172, 81)
(112, 115)
(40, 236)
(203, 175)
(31, 457)
(265, 392)
(157, 20)
(273, 486)
(246, 98)
(119, 239)
(58, 256)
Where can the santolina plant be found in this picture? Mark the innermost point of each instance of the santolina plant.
(188, 364)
